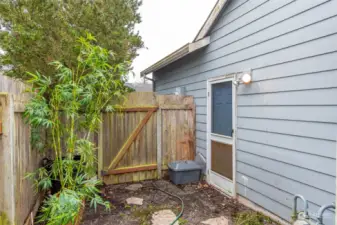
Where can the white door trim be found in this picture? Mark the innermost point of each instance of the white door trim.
(212, 177)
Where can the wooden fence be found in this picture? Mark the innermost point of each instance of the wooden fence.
(11, 86)
(136, 143)
(139, 140)
(17, 197)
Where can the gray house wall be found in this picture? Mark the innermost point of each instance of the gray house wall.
(287, 118)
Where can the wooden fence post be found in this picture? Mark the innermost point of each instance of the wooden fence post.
(100, 148)
(159, 144)
(7, 153)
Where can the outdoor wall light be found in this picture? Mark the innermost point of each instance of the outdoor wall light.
(246, 78)
(243, 78)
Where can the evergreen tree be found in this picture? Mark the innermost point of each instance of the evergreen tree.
(37, 32)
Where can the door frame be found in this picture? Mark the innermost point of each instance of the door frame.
(210, 174)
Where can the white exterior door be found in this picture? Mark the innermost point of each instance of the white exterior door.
(221, 120)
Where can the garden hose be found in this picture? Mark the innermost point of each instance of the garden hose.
(181, 200)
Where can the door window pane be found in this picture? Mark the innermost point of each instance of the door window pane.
(222, 108)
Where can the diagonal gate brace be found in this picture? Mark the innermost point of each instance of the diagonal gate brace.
(129, 141)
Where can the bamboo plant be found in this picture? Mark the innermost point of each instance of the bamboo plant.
(69, 107)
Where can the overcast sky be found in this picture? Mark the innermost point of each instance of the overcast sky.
(167, 25)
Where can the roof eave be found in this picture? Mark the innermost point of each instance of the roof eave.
(212, 18)
(176, 55)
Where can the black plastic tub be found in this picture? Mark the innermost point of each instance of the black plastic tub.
(184, 172)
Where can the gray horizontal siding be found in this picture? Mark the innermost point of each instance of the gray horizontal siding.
(242, 7)
(325, 131)
(323, 165)
(283, 183)
(201, 143)
(202, 151)
(311, 178)
(280, 203)
(232, 64)
(317, 147)
(310, 97)
(260, 28)
(201, 135)
(259, 10)
(201, 118)
(287, 121)
(325, 11)
(326, 114)
(201, 127)
(293, 83)
(265, 201)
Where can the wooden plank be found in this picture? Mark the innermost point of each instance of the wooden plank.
(135, 176)
(26, 160)
(122, 132)
(30, 219)
(7, 183)
(128, 129)
(147, 146)
(130, 140)
(177, 107)
(152, 145)
(142, 149)
(19, 107)
(124, 170)
(123, 135)
(180, 138)
(140, 99)
(159, 143)
(167, 135)
(100, 147)
(12, 86)
(191, 118)
(173, 131)
(136, 109)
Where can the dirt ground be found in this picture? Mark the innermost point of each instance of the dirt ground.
(201, 201)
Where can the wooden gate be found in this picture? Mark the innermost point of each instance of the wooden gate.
(139, 140)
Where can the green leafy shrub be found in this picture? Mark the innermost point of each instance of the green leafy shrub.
(252, 218)
(68, 106)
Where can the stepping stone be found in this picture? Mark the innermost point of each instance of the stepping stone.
(134, 187)
(216, 221)
(134, 201)
(164, 217)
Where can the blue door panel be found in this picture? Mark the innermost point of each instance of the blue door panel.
(222, 120)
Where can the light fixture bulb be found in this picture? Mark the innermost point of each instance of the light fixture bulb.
(246, 78)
